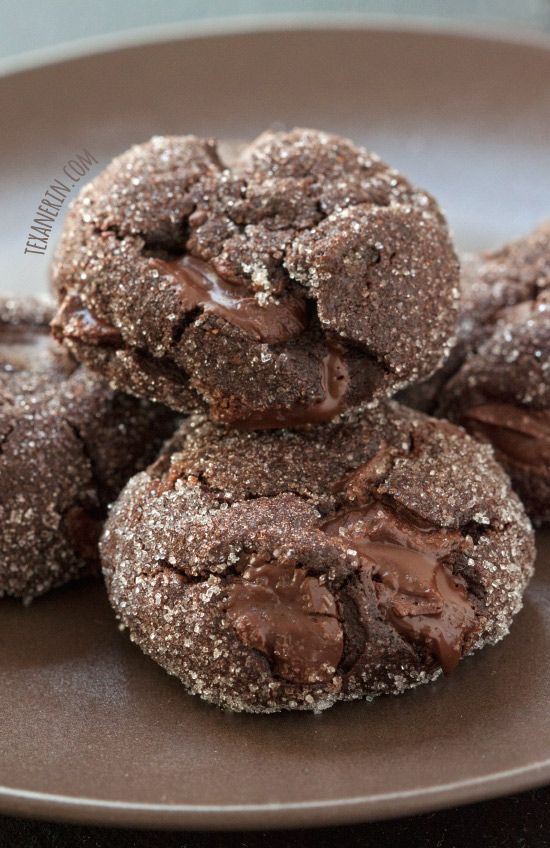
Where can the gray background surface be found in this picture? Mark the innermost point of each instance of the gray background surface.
(33, 24)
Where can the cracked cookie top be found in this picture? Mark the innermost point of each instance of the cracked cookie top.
(287, 570)
(498, 289)
(494, 281)
(501, 394)
(496, 382)
(307, 278)
(68, 443)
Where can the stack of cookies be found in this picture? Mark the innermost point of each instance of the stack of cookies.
(302, 538)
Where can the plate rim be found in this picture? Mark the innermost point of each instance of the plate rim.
(255, 24)
(274, 815)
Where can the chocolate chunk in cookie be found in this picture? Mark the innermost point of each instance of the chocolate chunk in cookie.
(308, 278)
(491, 283)
(68, 443)
(289, 570)
(501, 394)
(497, 380)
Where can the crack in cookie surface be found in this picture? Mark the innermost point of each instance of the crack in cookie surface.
(263, 604)
(301, 216)
(69, 445)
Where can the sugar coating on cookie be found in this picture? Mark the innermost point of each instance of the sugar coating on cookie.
(284, 570)
(68, 445)
(501, 394)
(306, 278)
(491, 283)
(501, 390)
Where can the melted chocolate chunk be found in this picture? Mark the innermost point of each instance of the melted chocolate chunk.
(77, 322)
(275, 322)
(522, 435)
(417, 593)
(334, 383)
(247, 628)
(291, 618)
(303, 240)
(69, 444)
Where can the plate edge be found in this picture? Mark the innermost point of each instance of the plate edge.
(83, 48)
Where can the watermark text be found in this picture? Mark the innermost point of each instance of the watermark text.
(54, 197)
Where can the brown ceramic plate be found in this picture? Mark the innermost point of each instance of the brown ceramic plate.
(90, 729)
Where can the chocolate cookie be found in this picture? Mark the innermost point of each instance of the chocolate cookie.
(288, 570)
(490, 283)
(501, 394)
(307, 278)
(68, 445)
(493, 281)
